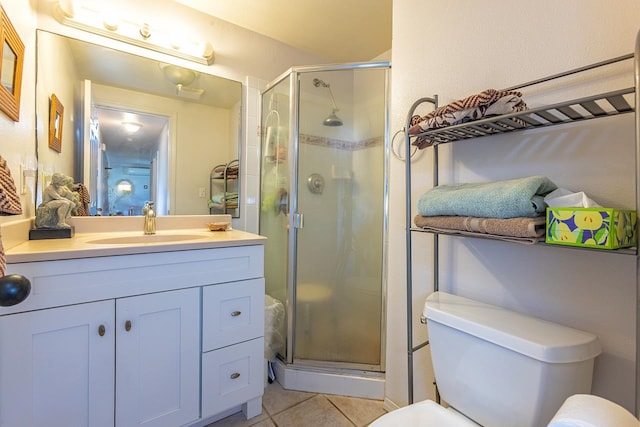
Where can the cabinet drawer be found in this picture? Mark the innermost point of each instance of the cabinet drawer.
(73, 281)
(231, 376)
(231, 313)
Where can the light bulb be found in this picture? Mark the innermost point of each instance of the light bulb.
(110, 20)
(131, 127)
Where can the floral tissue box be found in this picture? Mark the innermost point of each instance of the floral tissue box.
(602, 228)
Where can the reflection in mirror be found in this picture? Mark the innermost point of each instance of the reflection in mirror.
(134, 149)
(9, 61)
(159, 127)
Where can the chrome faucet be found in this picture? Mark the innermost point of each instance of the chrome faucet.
(149, 213)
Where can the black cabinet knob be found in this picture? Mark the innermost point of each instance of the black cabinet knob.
(14, 289)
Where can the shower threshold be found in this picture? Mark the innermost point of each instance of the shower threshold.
(311, 377)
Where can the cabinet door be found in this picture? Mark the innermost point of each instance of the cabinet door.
(57, 367)
(157, 359)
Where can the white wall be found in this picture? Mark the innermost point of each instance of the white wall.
(18, 138)
(454, 49)
(58, 60)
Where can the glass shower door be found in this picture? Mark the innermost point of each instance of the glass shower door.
(340, 193)
(274, 203)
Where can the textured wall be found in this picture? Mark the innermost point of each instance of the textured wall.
(454, 49)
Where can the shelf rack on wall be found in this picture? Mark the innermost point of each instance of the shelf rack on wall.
(223, 189)
(596, 106)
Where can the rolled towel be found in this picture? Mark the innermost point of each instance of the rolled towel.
(482, 99)
(520, 197)
(487, 103)
(585, 410)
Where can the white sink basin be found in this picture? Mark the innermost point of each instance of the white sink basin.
(147, 238)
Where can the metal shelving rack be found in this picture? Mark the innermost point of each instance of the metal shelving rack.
(226, 177)
(596, 106)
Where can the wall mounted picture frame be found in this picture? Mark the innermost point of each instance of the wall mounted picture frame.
(12, 53)
(56, 118)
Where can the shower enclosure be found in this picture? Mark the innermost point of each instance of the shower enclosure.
(323, 209)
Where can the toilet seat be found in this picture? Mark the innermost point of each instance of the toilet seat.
(425, 413)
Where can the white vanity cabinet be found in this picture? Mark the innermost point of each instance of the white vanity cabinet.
(57, 366)
(120, 340)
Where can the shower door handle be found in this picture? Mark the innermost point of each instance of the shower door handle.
(297, 220)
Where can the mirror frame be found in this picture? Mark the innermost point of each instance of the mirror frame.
(10, 100)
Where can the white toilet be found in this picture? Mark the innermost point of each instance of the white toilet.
(496, 367)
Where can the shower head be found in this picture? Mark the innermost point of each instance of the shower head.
(332, 120)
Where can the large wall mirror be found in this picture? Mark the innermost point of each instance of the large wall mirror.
(136, 129)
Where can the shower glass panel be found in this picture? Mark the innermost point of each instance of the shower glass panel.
(323, 210)
(274, 196)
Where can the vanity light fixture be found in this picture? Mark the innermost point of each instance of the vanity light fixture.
(178, 75)
(182, 78)
(88, 16)
(131, 127)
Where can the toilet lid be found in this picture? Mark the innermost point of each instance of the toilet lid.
(426, 413)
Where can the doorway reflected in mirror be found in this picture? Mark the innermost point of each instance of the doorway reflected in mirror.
(132, 151)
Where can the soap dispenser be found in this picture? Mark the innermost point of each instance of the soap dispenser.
(149, 218)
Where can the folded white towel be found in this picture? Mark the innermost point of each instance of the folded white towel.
(585, 410)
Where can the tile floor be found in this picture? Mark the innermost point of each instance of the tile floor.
(288, 408)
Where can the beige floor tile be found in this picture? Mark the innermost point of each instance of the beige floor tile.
(265, 423)
(276, 399)
(238, 420)
(360, 411)
(317, 411)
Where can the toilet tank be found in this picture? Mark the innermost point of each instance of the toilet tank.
(502, 368)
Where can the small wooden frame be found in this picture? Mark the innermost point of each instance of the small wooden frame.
(56, 116)
(12, 50)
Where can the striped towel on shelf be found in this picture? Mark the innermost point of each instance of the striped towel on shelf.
(9, 203)
(488, 103)
(9, 198)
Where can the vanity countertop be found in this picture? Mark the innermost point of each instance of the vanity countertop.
(91, 244)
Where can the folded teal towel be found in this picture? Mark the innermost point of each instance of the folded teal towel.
(513, 198)
(221, 198)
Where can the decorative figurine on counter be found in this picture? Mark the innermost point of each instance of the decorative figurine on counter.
(72, 195)
(58, 202)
